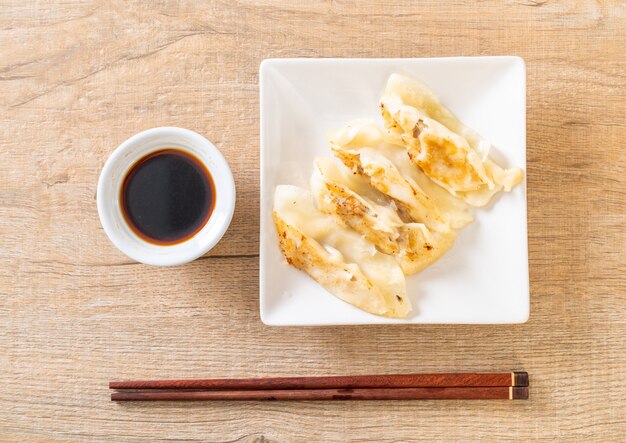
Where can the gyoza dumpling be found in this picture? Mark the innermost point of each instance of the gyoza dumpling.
(420, 247)
(459, 163)
(335, 190)
(444, 156)
(368, 150)
(385, 177)
(343, 262)
(413, 245)
(415, 93)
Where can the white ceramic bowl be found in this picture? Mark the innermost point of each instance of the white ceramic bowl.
(125, 156)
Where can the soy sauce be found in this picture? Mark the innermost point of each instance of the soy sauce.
(167, 197)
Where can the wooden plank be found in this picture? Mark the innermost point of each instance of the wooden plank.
(78, 78)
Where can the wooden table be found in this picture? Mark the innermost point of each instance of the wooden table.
(78, 78)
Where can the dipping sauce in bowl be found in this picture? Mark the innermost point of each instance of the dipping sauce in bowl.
(167, 196)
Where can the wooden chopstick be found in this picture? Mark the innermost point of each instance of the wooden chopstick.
(494, 379)
(449, 393)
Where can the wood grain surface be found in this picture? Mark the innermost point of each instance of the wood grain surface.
(78, 78)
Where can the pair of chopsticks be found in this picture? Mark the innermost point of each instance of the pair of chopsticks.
(444, 386)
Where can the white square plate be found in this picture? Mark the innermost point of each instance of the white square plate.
(484, 277)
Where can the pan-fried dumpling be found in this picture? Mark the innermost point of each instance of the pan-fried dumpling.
(415, 93)
(345, 280)
(335, 190)
(368, 150)
(459, 163)
(444, 156)
(420, 247)
(413, 245)
(338, 258)
(386, 178)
